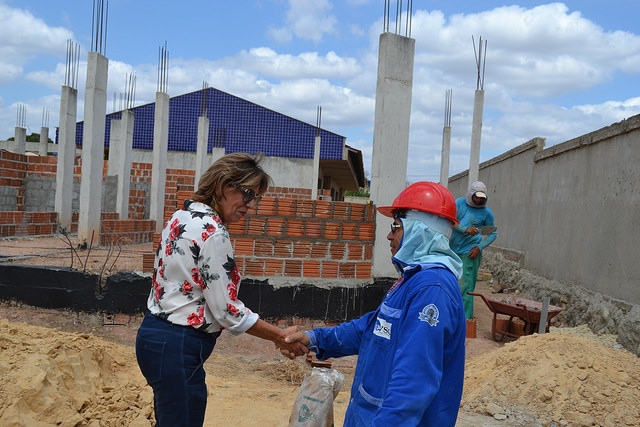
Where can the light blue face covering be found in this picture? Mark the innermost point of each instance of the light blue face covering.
(426, 240)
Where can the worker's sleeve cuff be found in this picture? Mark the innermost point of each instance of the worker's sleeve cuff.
(313, 346)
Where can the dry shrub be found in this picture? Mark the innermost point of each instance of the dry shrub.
(293, 371)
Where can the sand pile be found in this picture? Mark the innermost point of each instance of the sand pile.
(52, 378)
(570, 379)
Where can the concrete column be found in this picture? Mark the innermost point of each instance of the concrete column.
(476, 133)
(44, 141)
(316, 168)
(390, 137)
(20, 138)
(95, 111)
(120, 153)
(202, 160)
(446, 153)
(66, 155)
(159, 166)
(216, 153)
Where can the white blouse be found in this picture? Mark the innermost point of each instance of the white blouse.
(195, 277)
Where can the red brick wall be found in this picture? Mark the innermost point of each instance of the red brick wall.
(13, 170)
(305, 238)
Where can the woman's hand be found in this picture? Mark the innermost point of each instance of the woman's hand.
(294, 343)
(267, 331)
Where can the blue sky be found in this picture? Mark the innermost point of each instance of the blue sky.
(553, 70)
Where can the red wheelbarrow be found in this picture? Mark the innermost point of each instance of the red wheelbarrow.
(514, 307)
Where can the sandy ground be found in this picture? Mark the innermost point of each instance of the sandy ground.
(73, 369)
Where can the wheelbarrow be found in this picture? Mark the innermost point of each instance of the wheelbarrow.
(524, 309)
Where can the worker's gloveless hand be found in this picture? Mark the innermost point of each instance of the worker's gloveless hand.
(291, 348)
(472, 231)
(474, 252)
(296, 338)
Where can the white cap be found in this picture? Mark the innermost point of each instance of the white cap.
(480, 194)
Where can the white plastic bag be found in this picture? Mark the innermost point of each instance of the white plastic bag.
(314, 404)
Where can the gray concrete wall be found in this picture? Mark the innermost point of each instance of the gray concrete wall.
(8, 198)
(285, 171)
(39, 194)
(571, 210)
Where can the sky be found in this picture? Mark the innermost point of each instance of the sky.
(552, 70)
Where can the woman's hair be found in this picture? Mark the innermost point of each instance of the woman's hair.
(240, 170)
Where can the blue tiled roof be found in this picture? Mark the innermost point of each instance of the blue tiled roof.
(234, 123)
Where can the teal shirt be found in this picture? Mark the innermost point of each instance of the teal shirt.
(461, 242)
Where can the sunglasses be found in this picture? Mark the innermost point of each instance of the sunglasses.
(395, 227)
(248, 195)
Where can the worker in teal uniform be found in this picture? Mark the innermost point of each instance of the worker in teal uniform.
(467, 238)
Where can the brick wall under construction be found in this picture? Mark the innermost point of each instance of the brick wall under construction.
(288, 235)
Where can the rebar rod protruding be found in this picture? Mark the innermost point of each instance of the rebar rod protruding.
(204, 99)
(398, 19)
(163, 68)
(447, 107)
(99, 19)
(318, 120)
(21, 117)
(45, 118)
(481, 61)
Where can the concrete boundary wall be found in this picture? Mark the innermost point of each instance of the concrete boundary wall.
(571, 210)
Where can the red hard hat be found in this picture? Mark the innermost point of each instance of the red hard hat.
(426, 197)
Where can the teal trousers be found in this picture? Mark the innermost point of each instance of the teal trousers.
(468, 280)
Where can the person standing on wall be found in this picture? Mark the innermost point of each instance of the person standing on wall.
(410, 368)
(467, 238)
(194, 293)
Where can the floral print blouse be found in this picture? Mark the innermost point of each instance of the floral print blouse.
(195, 277)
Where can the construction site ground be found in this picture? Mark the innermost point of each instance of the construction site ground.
(66, 368)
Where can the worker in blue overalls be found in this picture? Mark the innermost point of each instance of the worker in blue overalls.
(410, 368)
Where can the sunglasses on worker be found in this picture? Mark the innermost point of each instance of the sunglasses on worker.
(395, 227)
(248, 195)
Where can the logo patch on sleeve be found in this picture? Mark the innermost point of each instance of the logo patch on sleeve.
(429, 314)
(382, 328)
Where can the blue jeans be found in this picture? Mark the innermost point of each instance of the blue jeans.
(171, 358)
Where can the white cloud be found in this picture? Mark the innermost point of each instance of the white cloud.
(22, 36)
(308, 20)
(269, 63)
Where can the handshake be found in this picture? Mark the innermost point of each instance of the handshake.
(292, 343)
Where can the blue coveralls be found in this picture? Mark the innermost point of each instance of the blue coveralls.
(411, 352)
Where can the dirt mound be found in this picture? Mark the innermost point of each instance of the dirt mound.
(54, 378)
(572, 380)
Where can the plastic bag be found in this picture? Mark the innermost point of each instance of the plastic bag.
(314, 404)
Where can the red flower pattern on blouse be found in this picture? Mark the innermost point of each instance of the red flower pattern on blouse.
(235, 276)
(195, 275)
(233, 310)
(187, 287)
(233, 291)
(194, 319)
